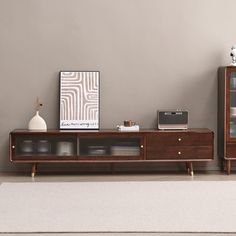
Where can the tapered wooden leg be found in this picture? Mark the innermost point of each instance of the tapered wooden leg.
(187, 167)
(228, 167)
(191, 168)
(34, 168)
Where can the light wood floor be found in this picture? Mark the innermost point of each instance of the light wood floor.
(60, 177)
(122, 234)
(119, 234)
(77, 177)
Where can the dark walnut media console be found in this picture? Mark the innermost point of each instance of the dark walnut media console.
(111, 146)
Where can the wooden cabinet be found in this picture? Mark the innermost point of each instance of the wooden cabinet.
(111, 146)
(227, 116)
(179, 145)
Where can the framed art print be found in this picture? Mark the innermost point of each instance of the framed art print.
(79, 99)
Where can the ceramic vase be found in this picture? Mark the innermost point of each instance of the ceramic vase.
(37, 123)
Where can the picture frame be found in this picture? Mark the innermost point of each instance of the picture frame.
(79, 100)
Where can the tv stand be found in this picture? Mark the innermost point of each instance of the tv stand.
(111, 146)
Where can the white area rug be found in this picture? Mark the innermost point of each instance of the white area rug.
(167, 206)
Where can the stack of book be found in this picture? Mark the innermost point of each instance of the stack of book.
(128, 128)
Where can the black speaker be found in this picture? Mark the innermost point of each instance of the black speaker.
(172, 119)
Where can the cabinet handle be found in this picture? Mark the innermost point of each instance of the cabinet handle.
(141, 146)
(179, 153)
(179, 139)
(13, 147)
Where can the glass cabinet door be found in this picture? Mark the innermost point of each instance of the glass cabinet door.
(233, 104)
(110, 147)
(45, 147)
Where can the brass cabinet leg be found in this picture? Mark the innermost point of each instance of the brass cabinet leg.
(34, 168)
(228, 167)
(191, 168)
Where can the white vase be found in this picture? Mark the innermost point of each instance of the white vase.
(37, 123)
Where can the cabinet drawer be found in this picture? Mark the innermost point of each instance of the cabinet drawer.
(180, 152)
(179, 139)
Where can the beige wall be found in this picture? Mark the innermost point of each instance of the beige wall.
(152, 54)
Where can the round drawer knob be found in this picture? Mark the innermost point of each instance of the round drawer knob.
(13, 147)
(141, 146)
(179, 153)
(179, 139)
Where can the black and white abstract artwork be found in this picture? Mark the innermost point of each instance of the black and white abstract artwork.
(79, 99)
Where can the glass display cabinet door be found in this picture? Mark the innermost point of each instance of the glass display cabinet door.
(111, 148)
(232, 105)
(44, 147)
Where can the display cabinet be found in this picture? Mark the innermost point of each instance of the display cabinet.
(227, 116)
(111, 146)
